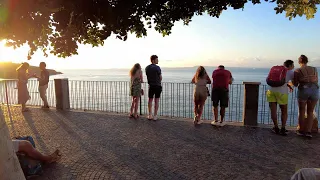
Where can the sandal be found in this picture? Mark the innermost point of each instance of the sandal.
(136, 116)
(131, 116)
(195, 120)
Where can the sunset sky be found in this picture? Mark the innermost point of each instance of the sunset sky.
(255, 37)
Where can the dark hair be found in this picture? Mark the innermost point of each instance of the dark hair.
(134, 69)
(303, 59)
(221, 66)
(288, 63)
(201, 71)
(44, 64)
(153, 57)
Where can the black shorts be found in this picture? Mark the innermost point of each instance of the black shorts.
(154, 91)
(220, 95)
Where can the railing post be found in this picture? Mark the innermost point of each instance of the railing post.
(250, 103)
(140, 106)
(62, 94)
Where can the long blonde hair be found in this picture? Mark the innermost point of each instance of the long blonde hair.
(200, 73)
(134, 69)
(24, 66)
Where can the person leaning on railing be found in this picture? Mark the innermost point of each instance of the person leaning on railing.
(200, 79)
(306, 78)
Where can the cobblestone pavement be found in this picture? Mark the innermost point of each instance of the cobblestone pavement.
(109, 146)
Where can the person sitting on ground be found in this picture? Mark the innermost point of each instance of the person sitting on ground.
(221, 78)
(200, 79)
(24, 146)
(306, 79)
(279, 95)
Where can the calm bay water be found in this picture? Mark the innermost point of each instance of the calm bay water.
(177, 75)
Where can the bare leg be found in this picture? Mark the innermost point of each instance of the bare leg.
(195, 110)
(200, 109)
(156, 106)
(150, 108)
(215, 113)
(27, 148)
(302, 111)
(273, 109)
(310, 108)
(284, 115)
(222, 113)
(132, 105)
(137, 99)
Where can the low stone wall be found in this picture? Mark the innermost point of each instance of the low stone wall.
(9, 165)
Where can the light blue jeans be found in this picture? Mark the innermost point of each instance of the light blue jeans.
(310, 92)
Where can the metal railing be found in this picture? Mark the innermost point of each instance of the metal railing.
(10, 86)
(176, 99)
(264, 116)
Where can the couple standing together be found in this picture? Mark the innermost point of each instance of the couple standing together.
(24, 76)
(306, 79)
(154, 76)
(221, 78)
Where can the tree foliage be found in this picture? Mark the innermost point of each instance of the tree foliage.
(58, 26)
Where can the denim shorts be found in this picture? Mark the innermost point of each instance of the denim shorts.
(308, 93)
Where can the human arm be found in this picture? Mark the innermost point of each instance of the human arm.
(295, 81)
(231, 78)
(141, 77)
(208, 79)
(160, 74)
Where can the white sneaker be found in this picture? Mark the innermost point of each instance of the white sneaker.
(222, 123)
(200, 122)
(214, 123)
(155, 118)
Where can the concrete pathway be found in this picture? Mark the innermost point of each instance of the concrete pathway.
(110, 146)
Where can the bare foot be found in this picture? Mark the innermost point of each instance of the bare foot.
(56, 156)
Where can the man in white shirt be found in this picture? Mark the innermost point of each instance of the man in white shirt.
(279, 95)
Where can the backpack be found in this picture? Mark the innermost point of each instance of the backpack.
(29, 166)
(277, 76)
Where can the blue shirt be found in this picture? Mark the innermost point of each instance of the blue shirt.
(153, 73)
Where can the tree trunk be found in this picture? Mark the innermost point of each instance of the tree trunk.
(9, 165)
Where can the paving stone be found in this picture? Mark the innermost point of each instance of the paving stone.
(111, 146)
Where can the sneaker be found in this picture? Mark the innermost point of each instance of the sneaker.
(214, 123)
(283, 132)
(200, 122)
(308, 135)
(222, 123)
(276, 130)
(300, 133)
(155, 118)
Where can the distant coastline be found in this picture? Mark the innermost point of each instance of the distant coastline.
(8, 70)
